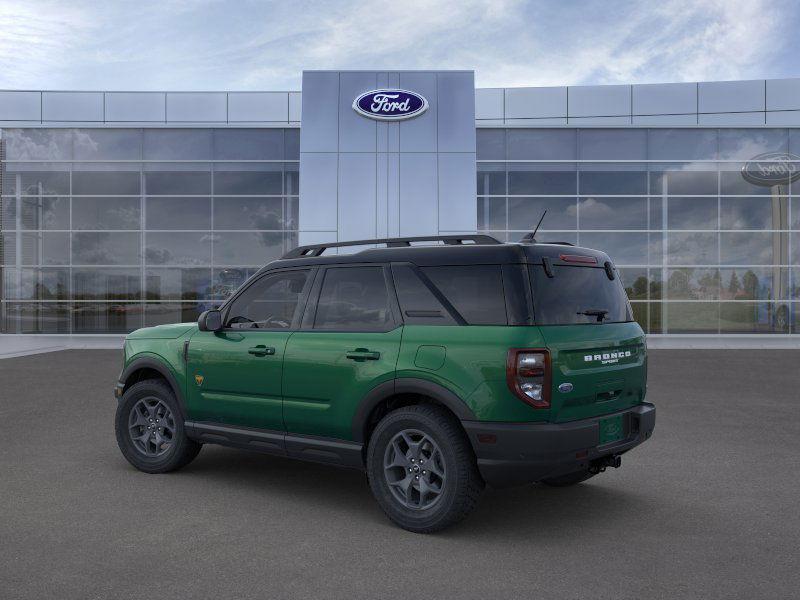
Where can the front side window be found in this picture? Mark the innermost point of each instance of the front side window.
(354, 299)
(271, 302)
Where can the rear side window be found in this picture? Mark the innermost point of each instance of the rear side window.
(419, 305)
(353, 299)
(578, 295)
(476, 291)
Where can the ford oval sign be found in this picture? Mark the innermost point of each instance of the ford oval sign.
(390, 105)
(772, 168)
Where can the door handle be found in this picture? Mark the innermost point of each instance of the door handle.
(362, 354)
(261, 350)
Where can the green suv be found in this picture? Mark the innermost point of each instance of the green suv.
(435, 368)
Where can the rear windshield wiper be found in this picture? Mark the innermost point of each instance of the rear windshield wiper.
(595, 312)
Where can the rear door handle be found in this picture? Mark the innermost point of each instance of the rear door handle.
(362, 354)
(261, 350)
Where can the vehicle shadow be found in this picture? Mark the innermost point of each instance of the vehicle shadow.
(519, 512)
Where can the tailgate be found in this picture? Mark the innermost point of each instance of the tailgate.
(603, 365)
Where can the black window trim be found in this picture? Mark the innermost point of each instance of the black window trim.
(301, 302)
(312, 303)
(440, 297)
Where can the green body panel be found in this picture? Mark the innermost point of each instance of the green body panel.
(599, 386)
(474, 368)
(162, 332)
(165, 346)
(227, 383)
(322, 388)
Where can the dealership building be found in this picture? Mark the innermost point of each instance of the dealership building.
(127, 209)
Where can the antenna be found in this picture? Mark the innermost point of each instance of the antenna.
(530, 238)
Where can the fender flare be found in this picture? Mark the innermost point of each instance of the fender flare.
(148, 362)
(407, 385)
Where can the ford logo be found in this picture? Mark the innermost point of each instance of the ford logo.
(390, 105)
(772, 168)
(565, 388)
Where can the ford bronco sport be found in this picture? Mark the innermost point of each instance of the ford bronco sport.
(436, 369)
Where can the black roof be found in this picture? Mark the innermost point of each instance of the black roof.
(448, 250)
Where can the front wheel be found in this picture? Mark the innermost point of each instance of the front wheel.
(422, 470)
(150, 431)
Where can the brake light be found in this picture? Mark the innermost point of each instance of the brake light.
(528, 375)
(577, 258)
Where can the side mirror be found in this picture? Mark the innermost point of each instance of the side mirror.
(210, 320)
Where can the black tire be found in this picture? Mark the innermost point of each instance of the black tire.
(460, 486)
(568, 479)
(174, 453)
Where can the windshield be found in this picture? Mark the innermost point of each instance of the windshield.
(576, 295)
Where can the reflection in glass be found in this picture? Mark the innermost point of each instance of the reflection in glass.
(692, 248)
(492, 213)
(106, 317)
(542, 144)
(491, 179)
(623, 248)
(524, 213)
(36, 317)
(746, 317)
(754, 213)
(749, 248)
(42, 248)
(524, 181)
(247, 248)
(248, 144)
(612, 144)
(613, 182)
(106, 284)
(693, 284)
(690, 317)
(676, 181)
(248, 182)
(103, 248)
(177, 183)
(612, 213)
(117, 183)
(36, 284)
(174, 312)
(174, 212)
(44, 212)
(105, 213)
(692, 213)
(177, 284)
(177, 248)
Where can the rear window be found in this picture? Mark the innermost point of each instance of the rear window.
(475, 291)
(577, 295)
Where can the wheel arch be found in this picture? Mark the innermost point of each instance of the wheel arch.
(145, 367)
(404, 392)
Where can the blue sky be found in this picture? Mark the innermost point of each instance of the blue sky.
(260, 45)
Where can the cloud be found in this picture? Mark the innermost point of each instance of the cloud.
(207, 44)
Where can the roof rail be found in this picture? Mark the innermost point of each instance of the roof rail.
(449, 240)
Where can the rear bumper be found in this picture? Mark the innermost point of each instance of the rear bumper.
(529, 452)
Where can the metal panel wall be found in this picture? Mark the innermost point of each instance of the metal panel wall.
(362, 178)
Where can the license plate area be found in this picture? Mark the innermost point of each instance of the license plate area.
(612, 429)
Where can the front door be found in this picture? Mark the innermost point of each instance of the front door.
(235, 374)
(348, 344)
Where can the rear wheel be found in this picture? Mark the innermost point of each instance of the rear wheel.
(568, 479)
(149, 428)
(422, 470)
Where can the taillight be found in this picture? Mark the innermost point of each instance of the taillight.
(528, 375)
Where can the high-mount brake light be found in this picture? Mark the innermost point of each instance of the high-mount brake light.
(577, 258)
(528, 375)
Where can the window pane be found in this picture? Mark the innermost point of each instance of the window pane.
(35, 183)
(692, 248)
(172, 248)
(177, 284)
(291, 144)
(746, 144)
(623, 248)
(174, 212)
(270, 303)
(45, 212)
(156, 313)
(48, 248)
(608, 144)
(248, 144)
(118, 183)
(38, 144)
(612, 213)
(750, 248)
(613, 182)
(684, 183)
(529, 182)
(107, 144)
(106, 284)
(250, 183)
(490, 144)
(227, 280)
(733, 182)
(491, 179)
(178, 183)
(178, 144)
(693, 284)
(491, 213)
(354, 299)
(754, 283)
(682, 144)
(692, 213)
(754, 213)
(106, 317)
(419, 305)
(635, 282)
(247, 248)
(747, 317)
(8, 214)
(36, 284)
(105, 248)
(541, 144)
(476, 292)
(105, 213)
(524, 213)
(291, 178)
(691, 317)
(35, 317)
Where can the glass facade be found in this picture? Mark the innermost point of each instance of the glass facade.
(108, 230)
(700, 248)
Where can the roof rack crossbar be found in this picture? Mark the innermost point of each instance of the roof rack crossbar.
(313, 250)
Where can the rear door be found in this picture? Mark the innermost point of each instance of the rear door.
(348, 343)
(597, 351)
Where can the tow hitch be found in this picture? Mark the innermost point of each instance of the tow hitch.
(601, 464)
